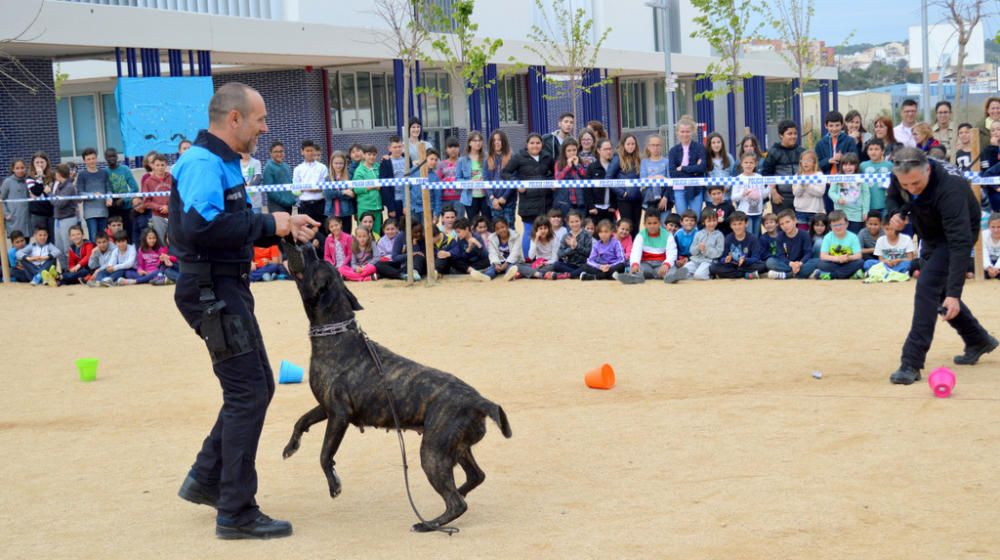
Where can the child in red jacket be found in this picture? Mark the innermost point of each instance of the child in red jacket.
(79, 255)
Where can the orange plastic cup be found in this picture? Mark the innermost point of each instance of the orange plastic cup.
(602, 377)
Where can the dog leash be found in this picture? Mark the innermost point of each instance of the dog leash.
(399, 432)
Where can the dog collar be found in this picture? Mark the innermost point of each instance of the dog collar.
(333, 328)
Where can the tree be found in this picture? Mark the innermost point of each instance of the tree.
(964, 16)
(727, 25)
(565, 42)
(461, 55)
(792, 19)
(405, 37)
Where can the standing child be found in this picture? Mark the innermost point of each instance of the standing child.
(569, 168)
(79, 255)
(808, 196)
(393, 166)
(575, 246)
(368, 198)
(503, 200)
(654, 252)
(655, 166)
(991, 248)
(706, 248)
(877, 166)
(544, 252)
(606, 255)
(601, 201)
(470, 168)
(741, 254)
(448, 172)
(749, 198)
(870, 234)
(718, 162)
(626, 164)
(39, 258)
(266, 265)
(794, 256)
(64, 211)
(159, 180)
(722, 208)
(964, 158)
(894, 250)
(831, 149)
(253, 175)
(311, 172)
(840, 254)
(687, 160)
(852, 198)
(92, 180)
(340, 202)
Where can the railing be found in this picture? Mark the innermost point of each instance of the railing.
(258, 9)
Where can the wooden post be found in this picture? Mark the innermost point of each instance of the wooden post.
(977, 251)
(425, 195)
(3, 248)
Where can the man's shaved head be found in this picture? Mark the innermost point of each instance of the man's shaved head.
(233, 96)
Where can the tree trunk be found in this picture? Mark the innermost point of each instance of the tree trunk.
(573, 94)
(959, 75)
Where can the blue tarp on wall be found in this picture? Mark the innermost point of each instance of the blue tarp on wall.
(156, 113)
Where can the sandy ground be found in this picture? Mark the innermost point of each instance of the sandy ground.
(716, 443)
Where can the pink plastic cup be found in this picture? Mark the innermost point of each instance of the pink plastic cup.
(942, 381)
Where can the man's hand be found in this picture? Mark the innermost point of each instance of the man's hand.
(951, 306)
(897, 223)
(300, 226)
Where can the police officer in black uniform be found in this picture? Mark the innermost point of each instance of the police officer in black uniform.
(212, 231)
(945, 214)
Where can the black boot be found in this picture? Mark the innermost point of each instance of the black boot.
(905, 375)
(973, 353)
(263, 527)
(197, 493)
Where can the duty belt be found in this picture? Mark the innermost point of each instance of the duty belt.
(209, 269)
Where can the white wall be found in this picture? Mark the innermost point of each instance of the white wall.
(944, 39)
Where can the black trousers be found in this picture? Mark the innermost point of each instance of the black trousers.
(228, 455)
(929, 294)
(731, 270)
(632, 211)
(600, 274)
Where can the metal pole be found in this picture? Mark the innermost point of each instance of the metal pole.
(925, 63)
(663, 9)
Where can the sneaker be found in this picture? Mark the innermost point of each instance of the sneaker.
(126, 282)
(403, 276)
(858, 275)
(614, 276)
(267, 277)
(973, 353)
(478, 276)
(106, 282)
(775, 275)
(416, 276)
(549, 275)
(585, 277)
(49, 279)
(814, 275)
(263, 527)
(905, 375)
(93, 284)
(374, 277)
(511, 274)
(825, 276)
(672, 276)
(563, 276)
(159, 281)
(752, 275)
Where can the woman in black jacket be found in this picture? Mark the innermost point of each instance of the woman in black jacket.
(530, 164)
(600, 202)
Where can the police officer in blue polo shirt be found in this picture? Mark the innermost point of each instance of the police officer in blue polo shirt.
(212, 232)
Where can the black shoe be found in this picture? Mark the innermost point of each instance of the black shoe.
(973, 353)
(197, 493)
(584, 276)
(905, 375)
(261, 528)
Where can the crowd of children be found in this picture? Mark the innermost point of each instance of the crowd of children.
(813, 230)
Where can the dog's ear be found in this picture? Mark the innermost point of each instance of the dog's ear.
(353, 300)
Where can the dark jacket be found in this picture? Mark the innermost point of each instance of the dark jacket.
(210, 215)
(509, 194)
(279, 174)
(552, 146)
(989, 162)
(533, 202)
(946, 213)
(624, 194)
(747, 249)
(794, 249)
(592, 197)
(824, 149)
(476, 258)
(782, 162)
(696, 161)
(62, 209)
(576, 256)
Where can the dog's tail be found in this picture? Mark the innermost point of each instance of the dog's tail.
(494, 411)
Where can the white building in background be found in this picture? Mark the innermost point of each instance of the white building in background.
(942, 46)
(324, 60)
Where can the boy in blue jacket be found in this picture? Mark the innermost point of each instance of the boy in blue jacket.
(687, 160)
(794, 258)
(831, 149)
(468, 252)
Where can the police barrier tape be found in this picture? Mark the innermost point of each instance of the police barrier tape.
(879, 179)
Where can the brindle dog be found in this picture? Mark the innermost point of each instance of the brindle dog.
(350, 390)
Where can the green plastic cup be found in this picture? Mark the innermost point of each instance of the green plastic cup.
(87, 368)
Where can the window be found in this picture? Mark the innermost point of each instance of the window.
(635, 113)
(437, 110)
(509, 100)
(362, 100)
(779, 101)
(87, 121)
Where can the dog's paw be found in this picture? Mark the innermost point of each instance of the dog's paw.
(290, 449)
(423, 528)
(335, 486)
